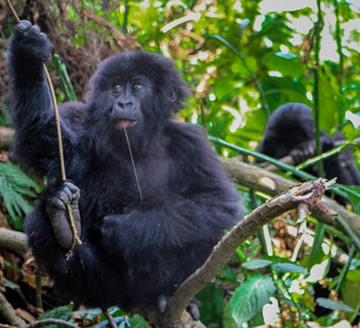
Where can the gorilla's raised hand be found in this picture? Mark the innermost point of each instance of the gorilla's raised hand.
(29, 49)
(28, 40)
(56, 210)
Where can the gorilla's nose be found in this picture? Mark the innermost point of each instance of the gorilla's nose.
(125, 104)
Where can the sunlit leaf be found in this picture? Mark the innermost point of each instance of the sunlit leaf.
(286, 63)
(256, 264)
(332, 305)
(289, 267)
(250, 298)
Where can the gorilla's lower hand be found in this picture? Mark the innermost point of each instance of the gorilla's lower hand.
(56, 210)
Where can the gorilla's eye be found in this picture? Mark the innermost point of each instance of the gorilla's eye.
(116, 88)
(137, 86)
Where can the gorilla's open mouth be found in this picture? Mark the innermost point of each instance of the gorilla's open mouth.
(125, 123)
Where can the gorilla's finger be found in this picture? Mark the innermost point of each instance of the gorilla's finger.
(65, 195)
(23, 26)
(75, 190)
(56, 202)
(35, 29)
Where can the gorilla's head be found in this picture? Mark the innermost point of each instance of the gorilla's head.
(137, 91)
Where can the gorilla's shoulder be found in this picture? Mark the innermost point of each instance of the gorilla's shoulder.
(185, 132)
(188, 140)
(73, 114)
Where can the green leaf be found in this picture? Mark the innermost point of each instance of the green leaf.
(289, 267)
(223, 88)
(317, 253)
(286, 63)
(224, 42)
(14, 186)
(137, 321)
(329, 100)
(250, 298)
(256, 264)
(332, 305)
(61, 312)
(350, 294)
(227, 320)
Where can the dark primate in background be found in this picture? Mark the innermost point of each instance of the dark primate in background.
(290, 130)
(134, 250)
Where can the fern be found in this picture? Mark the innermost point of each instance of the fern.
(15, 186)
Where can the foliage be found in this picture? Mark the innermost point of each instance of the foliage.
(15, 188)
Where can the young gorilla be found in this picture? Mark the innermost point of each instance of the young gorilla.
(133, 250)
(290, 130)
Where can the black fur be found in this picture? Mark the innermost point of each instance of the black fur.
(139, 251)
(290, 130)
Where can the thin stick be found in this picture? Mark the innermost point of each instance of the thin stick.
(13, 11)
(58, 129)
(134, 167)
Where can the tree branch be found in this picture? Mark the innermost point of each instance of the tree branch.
(9, 314)
(13, 240)
(272, 184)
(6, 137)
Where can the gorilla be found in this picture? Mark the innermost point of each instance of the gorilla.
(137, 248)
(290, 130)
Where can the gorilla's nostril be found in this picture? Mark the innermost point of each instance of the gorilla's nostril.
(125, 105)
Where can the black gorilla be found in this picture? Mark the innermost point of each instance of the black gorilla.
(134, 251)
(290, 130)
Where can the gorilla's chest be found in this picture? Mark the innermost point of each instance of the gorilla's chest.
(123, 184)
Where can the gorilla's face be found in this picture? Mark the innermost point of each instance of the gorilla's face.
(129, 100)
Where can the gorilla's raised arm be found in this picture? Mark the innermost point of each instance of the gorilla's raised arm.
(32, 113)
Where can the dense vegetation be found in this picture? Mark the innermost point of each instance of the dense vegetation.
(243, 59)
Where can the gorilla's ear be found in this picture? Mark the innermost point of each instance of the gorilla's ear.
(174, 95)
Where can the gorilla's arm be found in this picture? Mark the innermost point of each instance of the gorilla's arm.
(32, 111)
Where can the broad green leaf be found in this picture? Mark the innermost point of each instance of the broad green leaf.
(256, 264)
(332, 305)
(61, 312)
(137, 321)
(286, 63)
(250, 298)
(289, 267)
